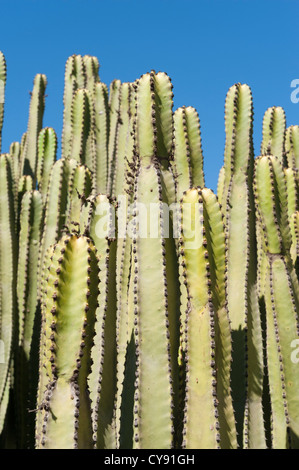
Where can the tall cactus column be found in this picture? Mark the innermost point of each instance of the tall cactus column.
(69, 298)
(8, 263)
(26, 363)
(238, 208)
(208, 414)
(282, 301)
(156, 337)
(35, 123)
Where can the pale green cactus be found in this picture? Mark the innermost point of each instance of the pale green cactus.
(68, 318)
(274, 128)
(208, 415)
(242, 298)
(8, 266)
(81, 72)
(188, 156)
(292, 146)
(281, 300)
(102, 379)
(46, 157)
(2, 91)
(57, 204)
(28, 322)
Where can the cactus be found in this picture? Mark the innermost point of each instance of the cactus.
(188, 158)
(29, 322)
(281, 299)
(274, 128)
(57, 204)
(46, 157)
(292, 146)
(208, 415)
(35, 122)
(68, 317)
(8, 265)
(133, 335)
(2, 91)
(242, 298)
(102, 379)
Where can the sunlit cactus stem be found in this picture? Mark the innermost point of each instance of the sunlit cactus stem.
(35, 123)
(26, 363)
(239, 215)
(68, 318)
(8, 265)
(2, 91)
(281, 300)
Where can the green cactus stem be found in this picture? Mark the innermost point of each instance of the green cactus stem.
(80, 188)
(57, 204)
(102, 380)
(188, 156)
(122, 141)
(68, 310)
(153, 416)
(101, 120)
(35, 124)
(292, 146)
(8, 264)
(2, 92)
(281, 299)
(238, 207)
(274, 127)
(208, 414)
(80, 72)
(28, 324)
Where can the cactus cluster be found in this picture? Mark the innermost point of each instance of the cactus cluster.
(138, 308)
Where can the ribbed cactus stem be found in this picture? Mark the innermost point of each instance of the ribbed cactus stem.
(208, 414)
(122, 144)
(69, 305)
(274, 127)
(101, 118)
(82, 146)
(8, 263)
(57, 204)
(102, 380)
(283, 331)
(29, 322)
(114, 122)
(281, 299)
(35, 123)
(80, 72)
(238, 208)
(292, 146)
(2, 92)
(79, 191)
(153, 398)
(188, 155)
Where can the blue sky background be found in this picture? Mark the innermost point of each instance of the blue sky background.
(204, 45)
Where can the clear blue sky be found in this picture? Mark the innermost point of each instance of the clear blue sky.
(204, 45)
